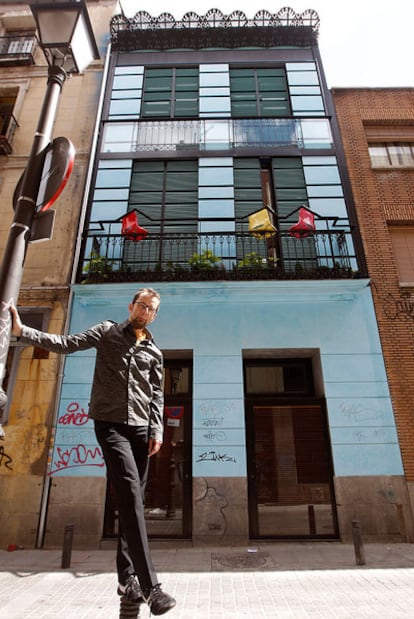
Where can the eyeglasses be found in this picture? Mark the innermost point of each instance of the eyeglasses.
(146, 308)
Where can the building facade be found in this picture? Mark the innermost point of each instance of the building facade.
(32, 377)
(377, 129)
(218, 178)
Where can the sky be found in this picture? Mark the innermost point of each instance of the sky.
(363, 43)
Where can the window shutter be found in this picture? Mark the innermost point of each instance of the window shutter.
(402, 239)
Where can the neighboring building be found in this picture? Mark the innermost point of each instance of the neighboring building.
(214, 131)
(32, 377)
(377, 126)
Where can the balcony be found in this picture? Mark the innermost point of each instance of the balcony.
(8, 125)
(17, 49)
(178, 255)
(216, 134)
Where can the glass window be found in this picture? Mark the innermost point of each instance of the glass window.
(300, 66)
(124, 107)
(215, 92)
(165, 190)
(216, 176)
(111, 194)
(115, 163)
(248, 193)
(215, 192)
(259, 92)
(170, 92)
(108, 210)
(281, 377)
(214, 80)
(129, 70)
(119, 137)
(322, 175)
(214, 104)
(216, 134)
(307, 104)
(316, 133)
(127, 82)
(324, 191)
(329, 207)
(305, 90)
(126, 92)
(113, 178)
(303, 78)
(392, 154)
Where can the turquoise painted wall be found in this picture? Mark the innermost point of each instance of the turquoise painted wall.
(217, 321)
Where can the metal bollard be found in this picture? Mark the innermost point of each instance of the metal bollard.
(312, 520)
(67, 546)
(358, 543)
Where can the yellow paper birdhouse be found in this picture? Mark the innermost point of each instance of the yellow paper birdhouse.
(260, 224)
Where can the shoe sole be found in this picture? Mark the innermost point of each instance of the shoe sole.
(164, 610)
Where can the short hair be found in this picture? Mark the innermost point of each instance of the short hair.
(150, 291)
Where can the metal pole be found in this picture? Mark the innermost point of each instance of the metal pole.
(25, 209)
(67, 545)
(358, 543)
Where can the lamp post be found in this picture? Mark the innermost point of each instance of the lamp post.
(67, 40)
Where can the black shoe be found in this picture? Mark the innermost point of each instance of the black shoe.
(159, 601)
(131, 591)
(129, 610)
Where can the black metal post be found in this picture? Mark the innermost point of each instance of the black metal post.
(25, 209)
(358, 543)
(67, 545)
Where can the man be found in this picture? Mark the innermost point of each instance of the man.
(127, 408)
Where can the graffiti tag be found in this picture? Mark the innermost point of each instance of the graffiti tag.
(75, 415)
(215, 436)
(212, 456)
(78, 455)
(212, 422)
(5, 459)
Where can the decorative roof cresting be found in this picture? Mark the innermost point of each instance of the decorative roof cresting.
(214, 18)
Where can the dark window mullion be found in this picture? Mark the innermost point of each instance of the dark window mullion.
(173, 89)
(257, 87)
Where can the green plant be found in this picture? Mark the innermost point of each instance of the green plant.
(205, 260)
(97, 265)
(256, 261)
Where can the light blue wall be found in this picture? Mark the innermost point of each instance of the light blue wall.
(217, 321)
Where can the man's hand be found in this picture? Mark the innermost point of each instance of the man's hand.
(153, 447)
(17, 324)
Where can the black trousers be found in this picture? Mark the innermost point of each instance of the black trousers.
(125, 451)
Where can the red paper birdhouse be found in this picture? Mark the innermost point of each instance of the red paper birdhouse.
(304, 226)
(131, 230)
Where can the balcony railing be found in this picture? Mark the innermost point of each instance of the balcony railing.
(217, 134)
(186, 256)
(8, 125)
(17, 49)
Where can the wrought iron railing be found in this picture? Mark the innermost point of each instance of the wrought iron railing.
(17, 49)
(181, 256)
(8, 125)
(217, 134)
(214, 29)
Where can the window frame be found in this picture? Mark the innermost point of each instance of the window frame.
(388, 161)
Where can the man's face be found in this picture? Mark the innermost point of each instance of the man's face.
(143, 310)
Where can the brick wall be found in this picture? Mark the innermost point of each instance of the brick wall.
(384, 197)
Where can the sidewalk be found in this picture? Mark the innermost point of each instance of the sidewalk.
(278, 580)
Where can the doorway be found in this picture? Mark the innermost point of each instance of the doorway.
(290, 473)
(168, 495)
